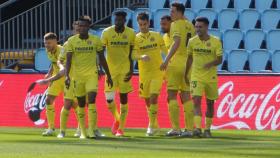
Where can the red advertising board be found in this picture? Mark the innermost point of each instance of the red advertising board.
(245, 102)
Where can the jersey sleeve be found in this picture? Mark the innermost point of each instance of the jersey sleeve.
(135, 53)
(104, 38)
(162, 44)
(132, 38)
(99, 45)
(176, 30)
(69, 46)
(219, 49)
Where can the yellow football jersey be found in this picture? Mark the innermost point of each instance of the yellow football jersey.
(53, 57)
(84, 55)
(167, 40)
(118, 49)
(204, 52)
(150, 44)
(184, 30)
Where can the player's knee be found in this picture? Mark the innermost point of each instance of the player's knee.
(91, 97)
(49, 100)
(123, 98)
(153, 99)
(110, 96)
(81, 101)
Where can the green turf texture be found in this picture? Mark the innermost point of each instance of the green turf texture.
(28, 143)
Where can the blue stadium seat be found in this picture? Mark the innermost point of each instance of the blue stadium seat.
(7, 71)
(248, 19)
(275, 61)
(278, 4)
(218, 5)
(262, 5)
(128, 17)
(270, 19)
(210, 14)
(28, 71)
(232, 39)
(253, 39)
(215, 32)
(258, 60)
(273, 38)
(227, 19)
(42, 63)
(196, 5)
(157, 15)
(242, 4)
(237, 60)
(134, 17)
(156, 4)
(190, 14)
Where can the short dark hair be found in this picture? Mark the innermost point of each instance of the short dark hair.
(85, 18)
(202, 19)
(121, 13)
(50, 36)
(143, 16)
(179, 7)
(166, 17)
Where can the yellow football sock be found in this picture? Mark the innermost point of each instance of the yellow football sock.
(174, 113)
(197, 120)
(92, 117)
(113, 109)
(189, 115)
(50, 116)
(208, 122)
(76, 114)
(81, 113)
(153, 112)
(63, 119)
(123, 116)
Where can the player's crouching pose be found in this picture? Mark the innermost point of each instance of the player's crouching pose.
(82, 51)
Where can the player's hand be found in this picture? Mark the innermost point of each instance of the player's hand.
(109, 82)
(207, 66)
(145, 58)
(43, 82)
(67, 82)
(163, 66)
(128, 76)
(47, 75)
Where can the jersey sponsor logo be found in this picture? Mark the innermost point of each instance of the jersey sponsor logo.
(150, 46)
(119, 43)
(152, 39)
(84, 48)
(201, 50)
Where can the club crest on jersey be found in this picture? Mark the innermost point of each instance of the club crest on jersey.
(152, 39)
(208, 44)
(124, 36)
(89, 42)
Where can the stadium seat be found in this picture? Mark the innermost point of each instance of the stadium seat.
(99, 32)
(227, 19)
(275, 61)
(278, 4)
(210, 14)
(42, 63)
(156, 4)
(134, 17)
(196, 5)
(218, 5)
(28, 71)
(232, 39)
(273, 38)
(254, 39)
(258, 60)
(248, 19)
(240, 5)
(157, 15)
(128, 17)
(4, 71)
(237, 60)
(262, 5)
(215, 32)
(190, 14)
(270, 19)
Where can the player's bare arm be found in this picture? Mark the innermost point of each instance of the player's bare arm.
(49, 74)
(188, 67)
(174, 47)
(67, 69)
(216, 62)
(104, 64)
(55, 77)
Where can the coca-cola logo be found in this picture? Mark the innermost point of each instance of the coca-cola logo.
(33, 106)
(241, 109)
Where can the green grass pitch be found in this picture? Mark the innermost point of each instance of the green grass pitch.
(28, 143)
